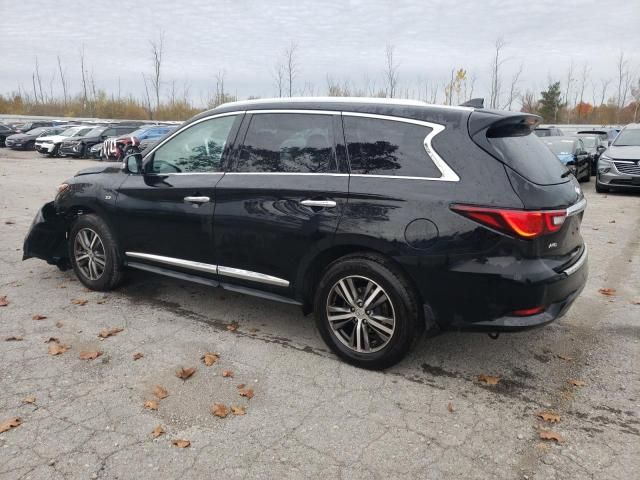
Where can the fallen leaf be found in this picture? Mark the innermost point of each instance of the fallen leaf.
(9, 424)
(220, 410)
(3, 301)
(38, 317)
(56, 348)
(180, 443)
(52, 339)
(607, 291)
(488, 379)
(14, 338)
(566, 358)
(210, 358)
(160, 392)
(550, 435)
(577, 383)
(254, 330)
(185, 373)
(156, 432)
(62, 286)
(238, 410)
(227, 373)
(110, 333)
(635, 302)
(79, 301)
(246, 392)
(241, 385)
(85, 289)
(9, 222)
(612, 221)
(90, 355)
(59, 324)
(138, 356)
(100, 302)
(451, 408)
(232, 327)
(29, 399)
(151, 405)
(548, 417)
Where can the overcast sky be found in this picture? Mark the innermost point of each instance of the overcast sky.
(344, 39)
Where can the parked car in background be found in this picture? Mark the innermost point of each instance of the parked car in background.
(594, 145)
(25, 127)
(95, 152)
(619, 165)
(27, 141)
(573, 154)
(548, 132)
(118, 148)
(384, 217)
(80, 146)
(5, 131)
(50, 145)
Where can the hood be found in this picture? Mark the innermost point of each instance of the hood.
(53, 138)
(20, 136)
(105, 167)
(623, 153)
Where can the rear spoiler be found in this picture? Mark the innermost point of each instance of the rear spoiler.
(474, 103)
(502, 124)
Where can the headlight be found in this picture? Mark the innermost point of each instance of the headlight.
(605, 164)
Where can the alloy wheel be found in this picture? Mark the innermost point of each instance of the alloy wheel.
(360, 314)
(89, 254)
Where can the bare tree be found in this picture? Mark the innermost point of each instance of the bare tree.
(496, 80)
(220, 95)
(279, 78)
(514, 93)
(157, 51)
(84, 78)
(391, 71)
(586, 70)
(38, 81)
(624, 83)
(291, 65)
(147, 99)
(604, 86)
(529, 102)
(635, 93)
(63, 81)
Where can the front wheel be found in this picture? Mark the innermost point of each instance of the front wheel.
(366, 311)
(94, 254)
(600, 188)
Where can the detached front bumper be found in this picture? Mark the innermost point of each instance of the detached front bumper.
(45, 147)
(47, 238)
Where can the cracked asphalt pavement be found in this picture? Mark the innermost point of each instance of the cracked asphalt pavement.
(312, 416)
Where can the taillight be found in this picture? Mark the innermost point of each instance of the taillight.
(527, 312)
(527, 224)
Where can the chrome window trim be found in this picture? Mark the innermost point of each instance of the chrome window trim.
(577, 207)
(579, 263)
(289, 173)
(215, 269)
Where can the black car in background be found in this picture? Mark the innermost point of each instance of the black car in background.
(548, 132)
(595, 145)
(25, 127)
(384, 217)
(80, 146)
(5, 131)
(573, 154)
(27, 141)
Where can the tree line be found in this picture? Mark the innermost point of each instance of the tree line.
(575, 97)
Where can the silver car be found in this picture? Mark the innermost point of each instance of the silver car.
(619, 165)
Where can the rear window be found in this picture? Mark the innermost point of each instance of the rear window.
(530, 157)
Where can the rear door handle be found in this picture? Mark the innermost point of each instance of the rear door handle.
(197, 199)
(318, 203)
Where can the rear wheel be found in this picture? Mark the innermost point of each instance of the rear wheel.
(94, 253)
(366, 311)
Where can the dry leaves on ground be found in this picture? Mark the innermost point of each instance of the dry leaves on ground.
(238, 410)
(181, 443)
(90, 354)
(79, 301)
(9, 222)
(109, 333)
(151, 405)
(100, 302)
(156, 432)
(138, 355)
(37, 316)
(52, 339)
(488, 379)
(220, 410)
(566, 358)
(56, 348)
(549, 417)
(550, 435)
(240, 385)
(210, 358)
(635, 302)
(160, 392)
(9, 424)
(59, 324)
(246, 392)
(576, 383)
(3, 301)
(232, 327)
(14, 338)
(451, 408)
(607, 291)
(227, 373)
(29, 399)
(185, 373)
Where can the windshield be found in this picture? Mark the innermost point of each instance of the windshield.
(69, 132)
(589, 142)
(82, 131)
(96, 132)
(37, 131)
(137, 133)
(629, 137)
(560, 147)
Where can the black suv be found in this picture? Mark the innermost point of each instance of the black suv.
(383, 217)
(80, 146)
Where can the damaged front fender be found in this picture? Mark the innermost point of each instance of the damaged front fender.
(47, 238)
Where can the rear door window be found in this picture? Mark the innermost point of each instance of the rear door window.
(288, 143)
(388, 147)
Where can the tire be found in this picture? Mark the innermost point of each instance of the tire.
(401, 305)
(600, 188)
(30, 145)
(55, 151)
(105, 248)
(586, 176)
(129, 150)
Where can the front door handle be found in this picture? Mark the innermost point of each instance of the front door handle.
(319, 203)
(197, 199)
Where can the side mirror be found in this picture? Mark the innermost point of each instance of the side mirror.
(133, 163)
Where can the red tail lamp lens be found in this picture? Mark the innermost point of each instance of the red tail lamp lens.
(525, 224)
(527, 312)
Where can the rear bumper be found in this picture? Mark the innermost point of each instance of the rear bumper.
(47, 238)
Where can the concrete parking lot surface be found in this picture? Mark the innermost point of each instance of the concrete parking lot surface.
(311, 416)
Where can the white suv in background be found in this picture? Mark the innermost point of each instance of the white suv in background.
(50, 145)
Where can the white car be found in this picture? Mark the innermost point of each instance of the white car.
(50, 145)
